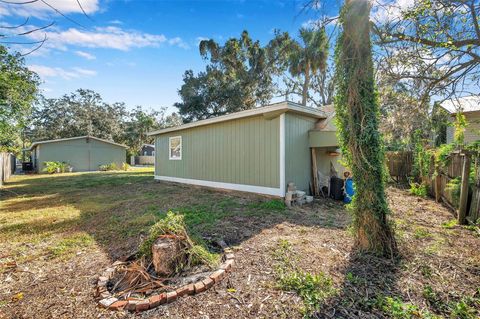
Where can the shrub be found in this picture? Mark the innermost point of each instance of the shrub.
(50, 167)
(418, 189)
(53, 167)
(109, 167)
(174, 224)
(125, 167)
(454, 187)
(442, 155)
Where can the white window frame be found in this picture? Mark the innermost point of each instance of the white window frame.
(170, 148)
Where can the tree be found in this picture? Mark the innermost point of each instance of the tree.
(239, 76)
(85, 113)
(443, 34)
(18, 89)
(140, 122)
(357, 121)
(309, 57)
(80, 113)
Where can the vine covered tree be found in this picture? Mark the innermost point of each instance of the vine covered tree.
(357, 120)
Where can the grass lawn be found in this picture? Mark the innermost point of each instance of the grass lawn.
(58, 232)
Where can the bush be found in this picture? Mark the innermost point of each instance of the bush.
(418, 189)
(454, 187)
(442, 155)
(109, 167)
(125, 167)
(174, 225)
(54, 167)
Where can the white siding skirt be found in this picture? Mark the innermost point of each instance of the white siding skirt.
(237, 187)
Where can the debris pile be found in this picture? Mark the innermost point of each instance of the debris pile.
(168, 260)
(296, 197)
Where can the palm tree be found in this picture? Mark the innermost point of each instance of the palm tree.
(308, 57)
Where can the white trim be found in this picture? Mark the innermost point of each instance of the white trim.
(282, 154)
(282, 106)
(237, 187)
(170, 148)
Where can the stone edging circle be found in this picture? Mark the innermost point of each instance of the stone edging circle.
(107, 300)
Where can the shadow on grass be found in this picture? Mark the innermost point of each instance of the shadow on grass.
(117, 209)
(368, 281)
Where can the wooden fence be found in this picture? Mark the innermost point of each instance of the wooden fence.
(400, 165)
(7, 166)
(142, 160)
(465, 202)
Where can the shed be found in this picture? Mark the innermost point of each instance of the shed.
(83, 153)
(258, 150)
(147, 150)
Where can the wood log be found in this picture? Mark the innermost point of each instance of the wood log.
(316, 191)
(462, 211)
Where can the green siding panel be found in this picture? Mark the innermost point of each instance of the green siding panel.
(323, 138)
(242, 151)
(82, 156)
(325, 160)
(297, 150)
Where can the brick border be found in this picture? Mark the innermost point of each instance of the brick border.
(107, 300)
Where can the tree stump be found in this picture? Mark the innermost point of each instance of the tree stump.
(165, 255)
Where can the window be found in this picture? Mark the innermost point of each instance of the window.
(175, 148)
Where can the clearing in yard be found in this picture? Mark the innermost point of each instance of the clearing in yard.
(58, 232)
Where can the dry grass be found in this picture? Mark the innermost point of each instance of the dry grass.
(58, 232)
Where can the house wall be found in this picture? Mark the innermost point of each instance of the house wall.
(324, 159)
(298, 165)
(472, 131)
(450, 132)
(242, 152)
(82, 156)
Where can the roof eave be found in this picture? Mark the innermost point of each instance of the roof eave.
(280, 108)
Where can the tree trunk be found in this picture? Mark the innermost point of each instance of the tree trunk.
(357, 114)
(306, 84)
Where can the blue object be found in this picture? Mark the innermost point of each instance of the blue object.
(349, 190)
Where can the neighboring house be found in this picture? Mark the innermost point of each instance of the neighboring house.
(258, 150)
(470, 107)
(147, 150)
(83, 153)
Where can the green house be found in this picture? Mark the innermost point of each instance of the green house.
(258, 150)
(83, 153)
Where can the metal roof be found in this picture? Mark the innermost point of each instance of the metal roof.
(463, 104)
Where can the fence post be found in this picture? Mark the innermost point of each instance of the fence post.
(438, 186)
(462, 211)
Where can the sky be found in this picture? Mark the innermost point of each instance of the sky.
(136, 51)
